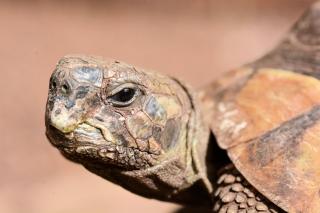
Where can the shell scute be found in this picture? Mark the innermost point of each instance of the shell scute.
(269, 124)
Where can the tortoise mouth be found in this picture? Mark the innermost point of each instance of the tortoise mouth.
(87, 145)
(83, 135)
(83, 142)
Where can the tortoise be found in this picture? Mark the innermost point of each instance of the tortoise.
(248, 142)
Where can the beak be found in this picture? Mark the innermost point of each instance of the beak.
(65, 120)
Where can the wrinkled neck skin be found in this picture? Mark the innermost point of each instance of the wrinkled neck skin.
(181, 176)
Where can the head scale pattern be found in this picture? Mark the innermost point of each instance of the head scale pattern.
(108, 112)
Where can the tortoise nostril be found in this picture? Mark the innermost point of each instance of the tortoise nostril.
(65, 88)
(54, 85)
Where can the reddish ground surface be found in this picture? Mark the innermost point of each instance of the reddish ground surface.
(193, 40)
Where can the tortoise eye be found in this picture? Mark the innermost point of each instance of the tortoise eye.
(124, 97)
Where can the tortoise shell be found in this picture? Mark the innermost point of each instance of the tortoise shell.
(267, 116)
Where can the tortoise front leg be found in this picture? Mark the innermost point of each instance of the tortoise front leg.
(235, 194)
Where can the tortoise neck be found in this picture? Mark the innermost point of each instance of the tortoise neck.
(197, 144)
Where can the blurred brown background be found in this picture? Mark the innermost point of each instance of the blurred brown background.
(193, 40)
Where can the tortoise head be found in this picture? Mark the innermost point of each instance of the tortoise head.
(117, 120)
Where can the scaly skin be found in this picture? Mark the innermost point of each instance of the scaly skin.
(235, 194)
